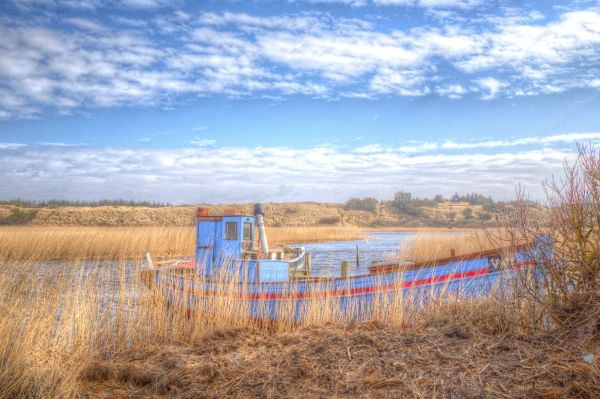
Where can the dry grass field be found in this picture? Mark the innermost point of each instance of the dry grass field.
(94, 331)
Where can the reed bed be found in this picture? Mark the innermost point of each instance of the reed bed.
(95, 331)
(84, 242)
(290, 235)
(426, 246)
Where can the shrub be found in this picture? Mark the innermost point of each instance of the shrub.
(366, 204)
(19, 216)
(485, 216)
(491, 207)
(414, 207)
(468, 213)
(329, 220)
(568, 287)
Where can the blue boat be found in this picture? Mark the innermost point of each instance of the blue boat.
(230, 271)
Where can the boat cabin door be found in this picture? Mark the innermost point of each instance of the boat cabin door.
(206, 232)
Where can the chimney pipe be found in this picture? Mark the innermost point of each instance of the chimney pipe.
(258, 213)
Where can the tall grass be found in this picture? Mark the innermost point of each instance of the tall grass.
(77, 243)
(93, 329)
(64, 326)
(426, 246)
(84, 242)
(290, 235)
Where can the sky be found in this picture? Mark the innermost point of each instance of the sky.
(266, 100)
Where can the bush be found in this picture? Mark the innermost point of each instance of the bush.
(567, 289)
(485, 216)
(329, 220)
(414, 207)
(18, 216)
(411, 210)
(366, 204)
(468, 213)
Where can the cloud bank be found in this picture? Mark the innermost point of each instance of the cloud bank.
(324, 173)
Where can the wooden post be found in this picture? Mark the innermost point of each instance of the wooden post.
(357, 257)
(345, 269)
(307, 264)
(452, 252)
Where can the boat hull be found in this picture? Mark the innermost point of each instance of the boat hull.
(355, 298)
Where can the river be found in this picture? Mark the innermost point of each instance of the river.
(327, 257)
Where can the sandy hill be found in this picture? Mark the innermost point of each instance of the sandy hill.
(277, 214)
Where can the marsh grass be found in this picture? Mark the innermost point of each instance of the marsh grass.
(31, 243)
(93, 329)
(426, 246)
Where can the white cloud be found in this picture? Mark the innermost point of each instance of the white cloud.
(93, 4)
(200, 142)
(226, 174)
(452, 91)
(11, 146)
(353, 3)
(145, 4)
(539, 51)
(152, 4)
(85, 24)
(490, 86)
(312, 54)
(419, 147)
(462, 4)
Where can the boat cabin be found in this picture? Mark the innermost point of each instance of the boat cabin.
(226, 247)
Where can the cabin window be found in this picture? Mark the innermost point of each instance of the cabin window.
(231, 231)
(247, 231)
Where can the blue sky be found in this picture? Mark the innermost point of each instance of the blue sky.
(225, 101)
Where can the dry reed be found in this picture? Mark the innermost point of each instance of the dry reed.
(83, 242)
(289, 235)
(426, 246)
(90, 329)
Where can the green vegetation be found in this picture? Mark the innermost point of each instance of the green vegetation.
(329, 220)
(484, 216)
(18, 216)
(468, 213)
(451, 216)
(366, 204)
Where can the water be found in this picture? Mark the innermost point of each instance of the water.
(327, 257)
